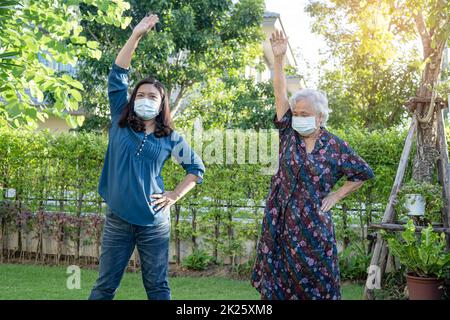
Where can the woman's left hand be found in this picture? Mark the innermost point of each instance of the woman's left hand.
(329, 201)
(164, 200)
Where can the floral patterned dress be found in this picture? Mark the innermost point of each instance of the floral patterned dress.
(297, 255)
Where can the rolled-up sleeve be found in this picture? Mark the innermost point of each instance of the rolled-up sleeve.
(352, 166)
(117, 89)
(285, 121)
(186, 157)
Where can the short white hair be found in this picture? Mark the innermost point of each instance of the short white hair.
(317, 99)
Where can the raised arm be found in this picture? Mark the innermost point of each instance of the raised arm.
(279, 47)
(118, 76)
(123, 59)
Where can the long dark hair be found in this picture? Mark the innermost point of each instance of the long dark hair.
(163, 121)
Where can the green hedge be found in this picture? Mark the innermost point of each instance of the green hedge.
(66, 167)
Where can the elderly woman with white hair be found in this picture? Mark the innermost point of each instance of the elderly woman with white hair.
(297, 255)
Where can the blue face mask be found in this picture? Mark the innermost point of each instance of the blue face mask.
(146, 109)
(304, 125)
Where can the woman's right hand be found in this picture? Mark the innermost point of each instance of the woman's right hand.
(145, 25)
(279, 43)
(279, 47)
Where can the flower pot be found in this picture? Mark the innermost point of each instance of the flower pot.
(424, 288)
(415, 204)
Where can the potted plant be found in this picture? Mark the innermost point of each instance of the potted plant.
(420, 201)
(426, 258)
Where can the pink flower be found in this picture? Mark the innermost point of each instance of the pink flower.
(316, 178)
(322, 151)
(332, 141)
(329, 253)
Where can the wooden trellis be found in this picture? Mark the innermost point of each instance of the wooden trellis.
(380, 252)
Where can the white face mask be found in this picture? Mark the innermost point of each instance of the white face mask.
(304, 125)
(146, 109)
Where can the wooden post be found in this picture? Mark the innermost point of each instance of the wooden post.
(444, 170)
(380, 252)
(400, 227)
(176, 233)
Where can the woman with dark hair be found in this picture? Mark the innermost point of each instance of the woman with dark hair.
(141, 139)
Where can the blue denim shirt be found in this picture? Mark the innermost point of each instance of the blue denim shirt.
(134, 161)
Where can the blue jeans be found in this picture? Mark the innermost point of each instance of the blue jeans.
(119, 240)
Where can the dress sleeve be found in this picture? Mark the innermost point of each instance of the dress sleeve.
(117, 89)
(285, 121)
(352, 165)
(187, 157)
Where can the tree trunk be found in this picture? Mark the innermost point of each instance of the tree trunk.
(194, 227)
(427, 151)
(216, 236)
(231, 235)
(176, 107)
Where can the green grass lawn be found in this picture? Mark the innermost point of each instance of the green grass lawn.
(19, 282)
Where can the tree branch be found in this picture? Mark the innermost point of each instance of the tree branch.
(424, 35)
(178, 109)
(92, 34)
(176, 104)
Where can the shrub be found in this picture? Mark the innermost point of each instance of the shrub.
(197, 260)
(424, 256)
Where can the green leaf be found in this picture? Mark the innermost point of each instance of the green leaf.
(80, 120)
(40, 116)
(78, 39)
(7, 55)
(31, 112)
(96, 54)
(76, 94)
(71, 121)
(92, 44)
(72, 82)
